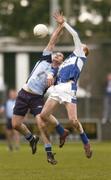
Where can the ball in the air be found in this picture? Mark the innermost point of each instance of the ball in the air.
(40, 30)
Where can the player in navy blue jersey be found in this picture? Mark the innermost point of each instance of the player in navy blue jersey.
(65, 90)
(31, 96)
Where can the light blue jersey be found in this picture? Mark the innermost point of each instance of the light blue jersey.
(9, 105)
(37, 81)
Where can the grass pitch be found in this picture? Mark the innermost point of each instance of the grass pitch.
(72, 163)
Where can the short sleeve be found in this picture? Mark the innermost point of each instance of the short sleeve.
(46, 53)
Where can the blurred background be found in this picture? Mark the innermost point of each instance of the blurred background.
(19, 51)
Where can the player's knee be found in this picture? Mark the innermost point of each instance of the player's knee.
(43, 115)
(15, 125)
(40, 122)
(71, 121)
(74, 122)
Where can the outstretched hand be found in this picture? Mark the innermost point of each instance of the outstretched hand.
(59, 17)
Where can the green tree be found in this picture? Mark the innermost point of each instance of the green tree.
(17, 20)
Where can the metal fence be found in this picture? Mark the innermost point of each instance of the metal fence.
(89, 113)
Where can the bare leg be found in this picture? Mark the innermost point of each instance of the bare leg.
(43, 130)
(17, 123)
(48, 108)
(9, 135)
(42, 119)
(16, 138)
(72, 114)
(47, 117)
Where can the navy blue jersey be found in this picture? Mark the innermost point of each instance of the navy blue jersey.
(70, 69)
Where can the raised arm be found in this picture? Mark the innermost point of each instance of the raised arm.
(78, 45)
(54, 37)
(74, 34)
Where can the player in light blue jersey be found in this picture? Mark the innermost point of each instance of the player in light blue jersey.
(31, 96)
(65, 90)
(13, 139)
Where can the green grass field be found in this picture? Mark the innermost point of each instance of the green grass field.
(72, 164)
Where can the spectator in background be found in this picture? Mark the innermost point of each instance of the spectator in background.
(11, 134)
(107, 101)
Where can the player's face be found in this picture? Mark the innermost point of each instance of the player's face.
(12, 94)
(57, 59)
(109, 77)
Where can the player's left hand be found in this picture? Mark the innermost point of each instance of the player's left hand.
(59, 17)
(50, 80)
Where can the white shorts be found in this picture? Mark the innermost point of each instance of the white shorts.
(63, 92)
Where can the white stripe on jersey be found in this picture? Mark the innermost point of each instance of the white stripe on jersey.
(67, 62)
(80, 64)
(72, 61)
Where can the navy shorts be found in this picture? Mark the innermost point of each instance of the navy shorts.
(9, 123)
(26, 101)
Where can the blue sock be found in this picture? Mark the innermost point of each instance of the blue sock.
(29, 137)
(48, 148)
(60, 129)
(84, 138)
